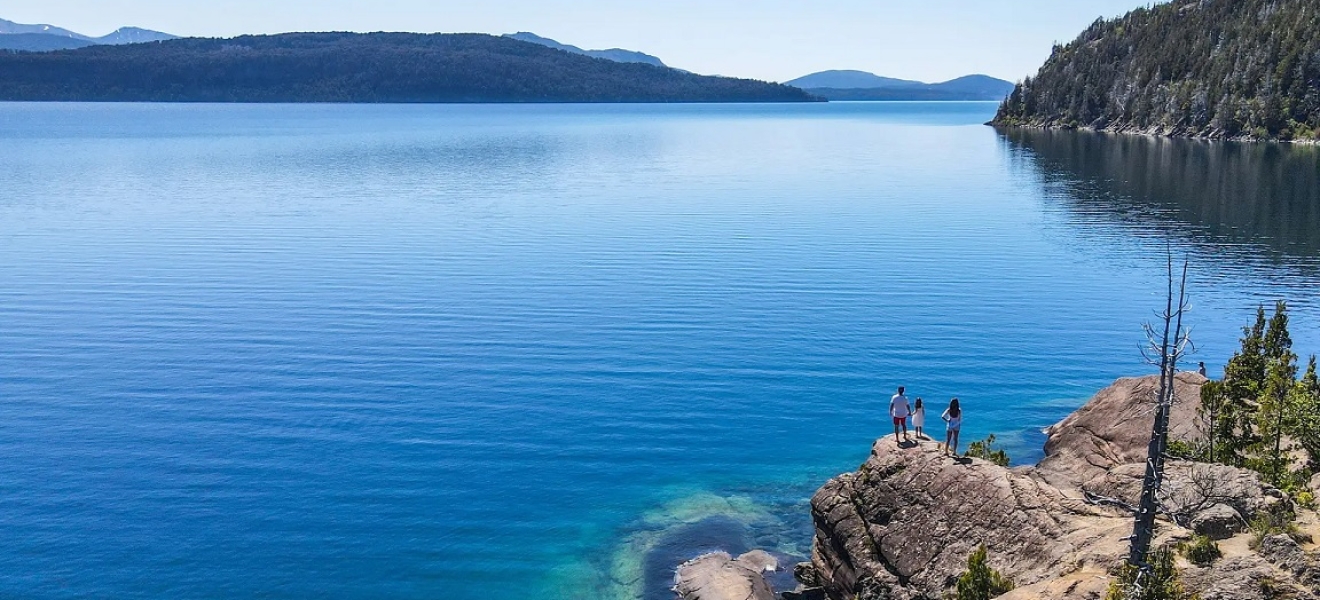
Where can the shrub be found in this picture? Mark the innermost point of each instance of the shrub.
(1182, 449)
(1202, 551)
(1268, 523)
(985, 449)
(980, 582)
(1162, 583)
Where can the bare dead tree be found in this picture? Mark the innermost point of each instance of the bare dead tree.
(1167, 342)
(1196, 487)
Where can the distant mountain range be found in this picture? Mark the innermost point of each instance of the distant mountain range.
(345, 78)
(351, 67)
(614, 54)
(44, 38)
(860, 85)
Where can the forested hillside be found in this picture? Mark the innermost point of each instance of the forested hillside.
(1246, 69)
(346, 67)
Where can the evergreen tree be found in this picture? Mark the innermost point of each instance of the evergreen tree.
(1306, 425)
(1245, 68)
(1218, 428)
(1244, 379)
(980, 582)
(1162, 583)
(1276, 404)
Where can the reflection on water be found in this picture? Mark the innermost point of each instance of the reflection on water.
(1213, 192)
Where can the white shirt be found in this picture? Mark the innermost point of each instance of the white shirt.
(898, 407)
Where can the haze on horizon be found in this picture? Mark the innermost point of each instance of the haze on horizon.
(775, 40)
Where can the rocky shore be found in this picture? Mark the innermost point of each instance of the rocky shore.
(1155, 131)
(902, 526)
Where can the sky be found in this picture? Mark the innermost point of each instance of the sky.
(773, 40)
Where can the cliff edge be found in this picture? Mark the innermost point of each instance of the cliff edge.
(902, 526)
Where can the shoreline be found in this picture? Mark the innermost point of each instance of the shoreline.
(1160, 133)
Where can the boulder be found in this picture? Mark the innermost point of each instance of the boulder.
(805, 573)
(1114, 428)
(1285, 553)
(1219, 522)
(718, 576)
(1243, 578)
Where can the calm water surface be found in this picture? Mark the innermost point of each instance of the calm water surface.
(518, 351)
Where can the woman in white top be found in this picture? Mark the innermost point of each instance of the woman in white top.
(918, 418)
(953, 418)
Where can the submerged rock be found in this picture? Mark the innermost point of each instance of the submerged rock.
(718, 576)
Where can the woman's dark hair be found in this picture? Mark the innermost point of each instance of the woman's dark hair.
(917, 405)
(955, 411)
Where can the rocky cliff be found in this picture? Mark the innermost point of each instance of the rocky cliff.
(903, 525)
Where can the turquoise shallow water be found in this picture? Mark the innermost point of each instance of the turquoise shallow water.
(510, 351)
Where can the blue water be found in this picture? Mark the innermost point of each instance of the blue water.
(516, 351)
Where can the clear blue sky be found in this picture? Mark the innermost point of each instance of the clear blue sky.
(930, 40)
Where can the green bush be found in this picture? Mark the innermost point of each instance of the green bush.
(1267, 523)
(1182, 449)
(985, 449)
(1162, 583)
(1202, 551)
(980, 582)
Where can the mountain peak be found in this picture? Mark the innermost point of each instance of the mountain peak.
(44, 38)
(861, 85)
(849, 79)
(614, 54)
(134, 35)
(10, 27)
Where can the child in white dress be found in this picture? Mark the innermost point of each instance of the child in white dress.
(919, 418)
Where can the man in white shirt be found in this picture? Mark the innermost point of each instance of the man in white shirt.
(899, 409)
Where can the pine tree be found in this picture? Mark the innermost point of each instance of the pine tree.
(1306, 424)
(1276, 403)
(1161, 583)
(980, 582)
(1244, 379)
(1218, 427)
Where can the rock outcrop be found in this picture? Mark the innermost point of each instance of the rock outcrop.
(908, 519)
(718, 576)
(902, 526)
(1114, 429)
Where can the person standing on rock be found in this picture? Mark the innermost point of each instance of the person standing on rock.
(899, 410)
(918, 418)
(1200, 368)
(953, 418)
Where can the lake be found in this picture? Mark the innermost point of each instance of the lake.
(546, 351)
